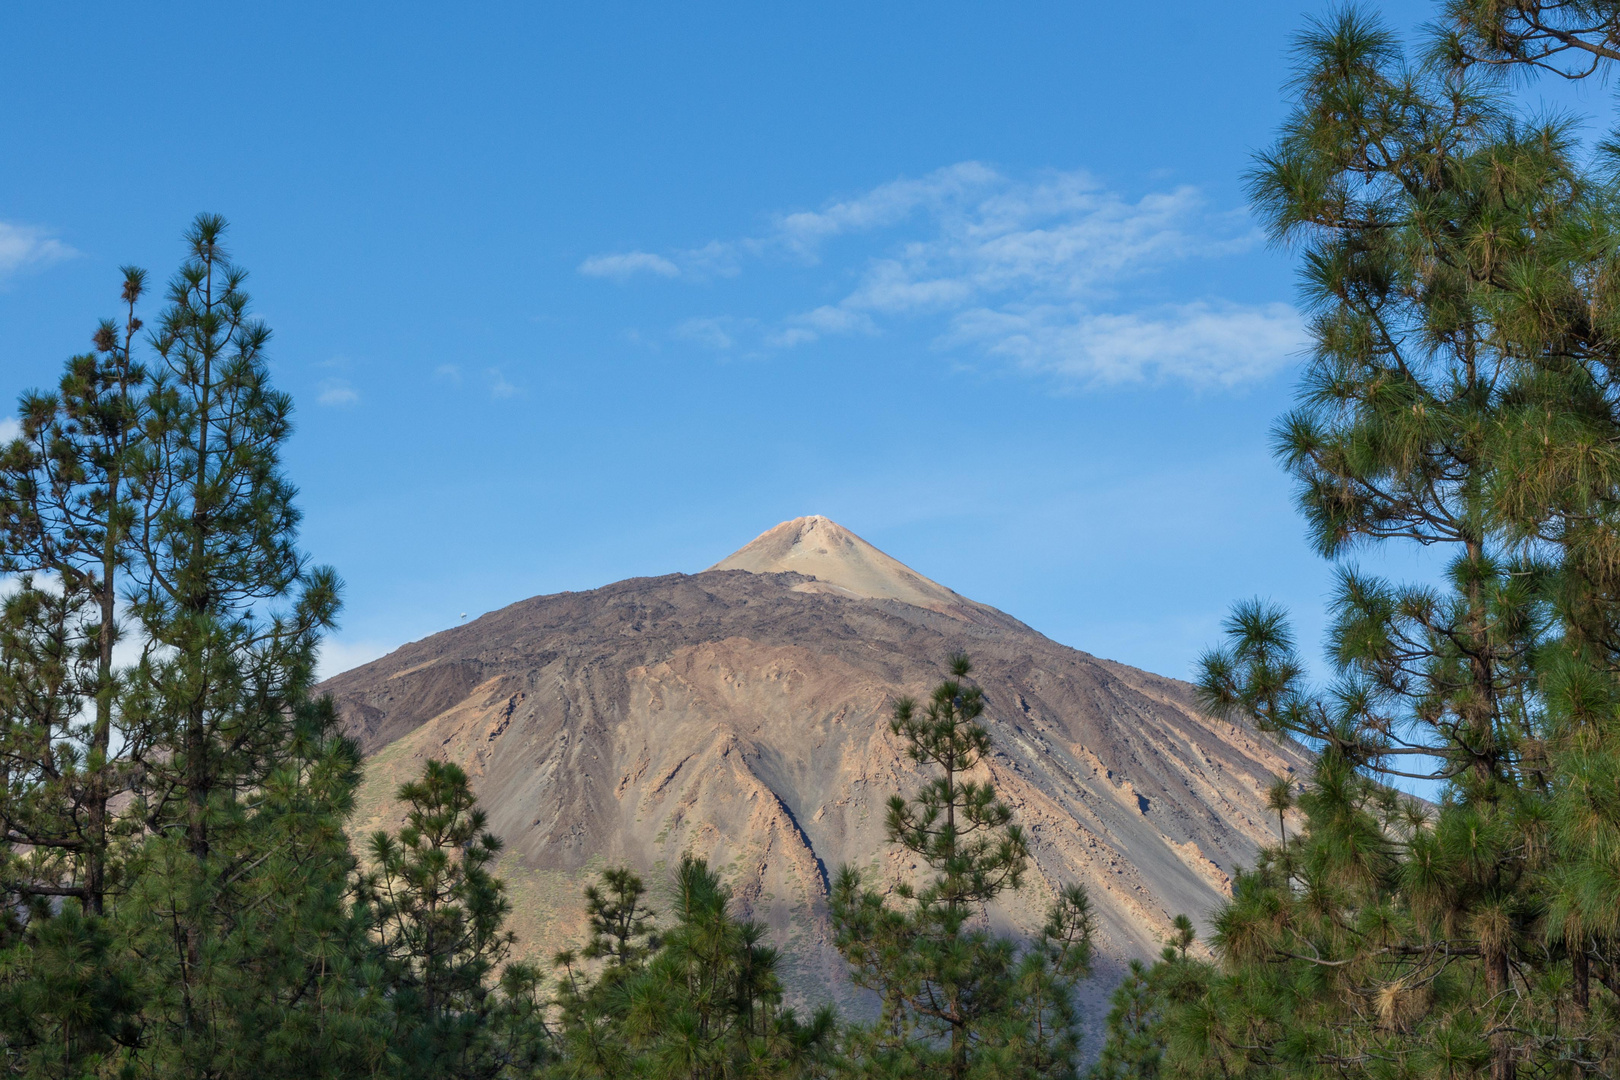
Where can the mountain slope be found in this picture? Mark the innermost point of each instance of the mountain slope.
(837, 561)
(741, 713)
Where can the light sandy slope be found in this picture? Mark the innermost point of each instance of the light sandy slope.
(742, 715)
(841, 563)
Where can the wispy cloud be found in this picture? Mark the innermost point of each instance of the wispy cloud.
(22, 246)
(499, 387)
(716, 333)
(829, 319)
(336, 393)
(1200, 343)
(1048, 272)
(800, 234)
(885, 205)
(10, 428)
(628, 265)
(449, 372)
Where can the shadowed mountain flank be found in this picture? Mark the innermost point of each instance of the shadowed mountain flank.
(742, 714)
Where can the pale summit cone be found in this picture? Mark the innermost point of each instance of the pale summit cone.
(742, 714)
(843, 564)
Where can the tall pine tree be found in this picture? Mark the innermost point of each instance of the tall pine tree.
(65, 515)
(1460, 266)
(175, 869)
(956, 999)
(438, 914)
(238, 889)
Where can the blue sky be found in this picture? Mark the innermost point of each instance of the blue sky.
(567, 294)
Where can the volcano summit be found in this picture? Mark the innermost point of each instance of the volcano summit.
(742, 714)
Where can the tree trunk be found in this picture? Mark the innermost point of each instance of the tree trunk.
(95, 856)
(1503, 1066)
(1582, 969)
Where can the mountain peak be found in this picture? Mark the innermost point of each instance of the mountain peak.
(841, 563)
(745, 718)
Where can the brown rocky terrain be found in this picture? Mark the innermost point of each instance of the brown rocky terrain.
(742, 714)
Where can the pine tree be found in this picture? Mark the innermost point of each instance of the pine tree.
(957, 999)
(1560, 496)
(438, 913)
(1135, 1035)
(1572, 40)
(700, 1000)
(238, 897)
(621, 923)
(65, 514)
(64, 527)
(1459, 264)
(206, 928)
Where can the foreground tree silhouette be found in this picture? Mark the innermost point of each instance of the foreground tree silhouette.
(956, 999)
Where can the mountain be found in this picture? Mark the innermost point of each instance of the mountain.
(741, 713)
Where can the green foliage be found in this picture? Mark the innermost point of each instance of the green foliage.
(621, 925)
(1460, 265)
(437, 912)
(700, 1002)
(955, 998)
(175, 871)
(66, 1000)
(1570, 38)
(1136, 1031)
(66, 512)
(268, 976)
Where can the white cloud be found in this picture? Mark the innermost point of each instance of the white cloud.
(717, 258)
(892, 288)
(499, 387)
(885, 205)
(447, 371)
(714, 333)
(630, 263)
(1201, 343)
(1062, 226)
(801, 233)
(336, 392)
(22, 246)
(793, 335)
(10, 428)
(1044, 271)
(837, 320)
(1061, 237)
